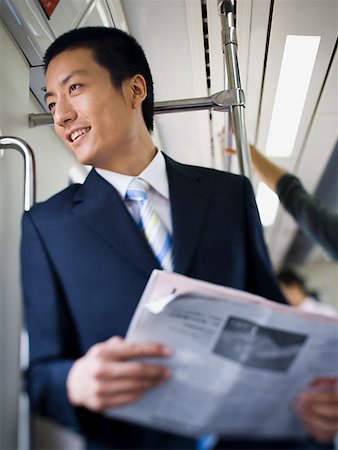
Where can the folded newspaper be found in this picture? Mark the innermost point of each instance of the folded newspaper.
(239, 360)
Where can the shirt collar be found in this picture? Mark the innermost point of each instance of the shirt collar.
(155, 174)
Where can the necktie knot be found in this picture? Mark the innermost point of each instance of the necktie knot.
(137, 190)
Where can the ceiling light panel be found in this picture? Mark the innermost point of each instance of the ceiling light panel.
(294, 79)
(288, 20)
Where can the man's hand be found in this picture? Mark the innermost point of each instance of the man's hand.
(319, 413)
(109, 374)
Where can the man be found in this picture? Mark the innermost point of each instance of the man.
(86, 261)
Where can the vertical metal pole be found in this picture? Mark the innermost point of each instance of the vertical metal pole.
(13, 143)
(229, 44)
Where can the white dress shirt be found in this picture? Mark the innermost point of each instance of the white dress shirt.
(311, 305)
(156, 175)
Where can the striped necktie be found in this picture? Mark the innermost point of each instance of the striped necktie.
(157, 235)
(160, 241)
(207, 442)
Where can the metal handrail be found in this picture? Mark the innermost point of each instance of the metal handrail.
(229, 46)
(221, 101)
(13, 143)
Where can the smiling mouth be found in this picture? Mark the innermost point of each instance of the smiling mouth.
(76, 134)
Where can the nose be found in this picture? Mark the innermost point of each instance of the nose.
(64, 112)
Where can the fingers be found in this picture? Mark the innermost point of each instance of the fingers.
(117, 358)
(127, 385)
(316, 397)
(117, 348)
(111, 373)
(323, 404)
(320, 429)
(128, 369)
(230, 151)
(319, 414)
(112, 393)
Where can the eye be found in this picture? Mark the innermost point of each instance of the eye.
(74, 87)
(51, 106)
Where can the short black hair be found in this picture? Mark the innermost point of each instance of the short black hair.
(116, 51)
(288, 276)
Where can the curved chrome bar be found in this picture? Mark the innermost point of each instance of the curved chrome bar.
(7, 142)
(229, 45)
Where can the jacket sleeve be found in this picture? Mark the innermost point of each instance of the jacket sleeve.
(317, 222)
(260, 275)
(52, 341)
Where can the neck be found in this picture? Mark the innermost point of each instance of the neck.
(140, 160)
(134, 157)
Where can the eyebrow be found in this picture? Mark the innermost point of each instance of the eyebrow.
(66, 79)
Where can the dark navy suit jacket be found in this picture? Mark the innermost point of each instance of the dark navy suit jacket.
(85, 264)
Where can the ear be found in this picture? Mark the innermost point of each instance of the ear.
(138, 87)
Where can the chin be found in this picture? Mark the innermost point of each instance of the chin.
(86, 161)
(83, 157)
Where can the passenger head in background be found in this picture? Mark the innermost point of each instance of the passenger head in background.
(293, 286)
(298, 295)
(116, 51)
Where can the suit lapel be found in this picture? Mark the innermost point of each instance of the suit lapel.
(189, 198)
(99, 205)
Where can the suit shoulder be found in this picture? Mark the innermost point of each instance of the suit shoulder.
(213, 175)
(222, 175)
(56, 204)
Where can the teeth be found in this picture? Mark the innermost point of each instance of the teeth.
(77, 133)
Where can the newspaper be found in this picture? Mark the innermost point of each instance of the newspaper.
(238, 362)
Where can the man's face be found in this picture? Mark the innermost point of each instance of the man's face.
(91, 116)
